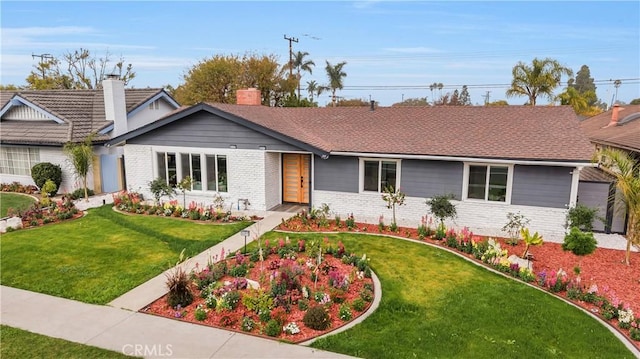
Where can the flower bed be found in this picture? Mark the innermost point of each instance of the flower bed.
(599, 282)
(289, 291)
(133, 202)
(18, 188)
(38, 215)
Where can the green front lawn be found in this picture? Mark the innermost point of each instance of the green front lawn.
(437, 305)
(15, 201)
(101, 256)
(18, 343)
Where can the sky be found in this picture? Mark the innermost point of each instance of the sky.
(393, 50)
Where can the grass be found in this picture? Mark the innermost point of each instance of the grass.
(436, 304)
(101, 256)
(18, 343)
(15, 201)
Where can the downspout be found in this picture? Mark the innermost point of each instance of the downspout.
(575, 181)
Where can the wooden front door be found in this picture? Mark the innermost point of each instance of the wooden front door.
(295, 178)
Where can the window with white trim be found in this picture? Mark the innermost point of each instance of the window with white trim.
(208, 172)
(488, 182)
(18, 160)
(154, 105)
(378, 174)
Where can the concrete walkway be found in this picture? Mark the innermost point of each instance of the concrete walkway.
(134, 333)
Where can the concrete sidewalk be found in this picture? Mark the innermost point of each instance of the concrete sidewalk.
(134, 333)
(155, 288)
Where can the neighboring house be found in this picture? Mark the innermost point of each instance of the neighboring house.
(494, 160)
(617, 128)
(34, 126)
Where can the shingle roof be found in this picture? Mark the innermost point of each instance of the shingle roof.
(550, 133)
(625, 135)
(594, 174)
(81, 110)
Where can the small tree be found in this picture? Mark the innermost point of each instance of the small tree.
(529, 240)
(579, 243)
(43, 171)
(184, 186)
(81, 156)
(159, 188)
(46, 191)
(393, 197)
(441, 207)
(515, 223)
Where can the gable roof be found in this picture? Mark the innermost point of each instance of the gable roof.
(538, 133)
(625, 135)
(71, 115)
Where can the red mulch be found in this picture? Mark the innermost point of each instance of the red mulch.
(161, 308)
(604, 268)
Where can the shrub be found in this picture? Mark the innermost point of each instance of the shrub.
(232, 299)
(316, 318)
(358, 304)
(345, 312)
(43, 171)
(226, 321)
(238, 271)
(257, 300)
(579, 243)
(273, 328)
(515, 223)
(303, 304)
(366, 295)
(248, 324)
(200, 313)
(79, 193)
(159, 188)
(265, 315)
(582, 217)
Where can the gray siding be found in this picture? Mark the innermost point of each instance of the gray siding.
(336, 174)
(595, 195)
(209, 131)
(431, 178)
(541, 186)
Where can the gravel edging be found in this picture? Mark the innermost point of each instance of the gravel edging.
(626, 341)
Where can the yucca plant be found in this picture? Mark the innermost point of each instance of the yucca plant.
(529, 240)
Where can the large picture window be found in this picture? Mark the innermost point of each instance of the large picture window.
(18, 160)
(207, 172)
(488, 182)
(378, 174)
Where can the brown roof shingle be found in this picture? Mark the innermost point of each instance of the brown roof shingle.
(550, 133)
(81, 110)
(624, 135)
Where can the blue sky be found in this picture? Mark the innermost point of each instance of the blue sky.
(390, 47)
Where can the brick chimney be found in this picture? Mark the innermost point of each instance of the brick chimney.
(115, 108)
(250, 96)
(615, 113)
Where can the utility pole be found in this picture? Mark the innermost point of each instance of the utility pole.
(291, 40)
(42, 57)
(486, 98)
(616, 84)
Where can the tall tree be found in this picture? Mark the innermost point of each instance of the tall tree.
(584, 84)
(83, 71)
(217, 79)
(627, 173)
(81, 156)
(465, 98)
(314, 89)
(335, 76)
(420, 101)
(571, 96)
(302, 64)
(539, 79)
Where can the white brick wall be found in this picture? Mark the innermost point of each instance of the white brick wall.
(482, 218)
(245, 174)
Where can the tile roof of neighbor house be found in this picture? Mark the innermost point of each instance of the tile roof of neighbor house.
(81, 110)
(625, 135)
(550, 133)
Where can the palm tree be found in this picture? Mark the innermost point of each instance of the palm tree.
(627, 172)
(81, 157)
(314, 89)
(335, 75)
(575, 99)
(541, 78)
(300, 64)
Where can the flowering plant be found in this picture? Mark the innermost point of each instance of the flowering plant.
(291, 328)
